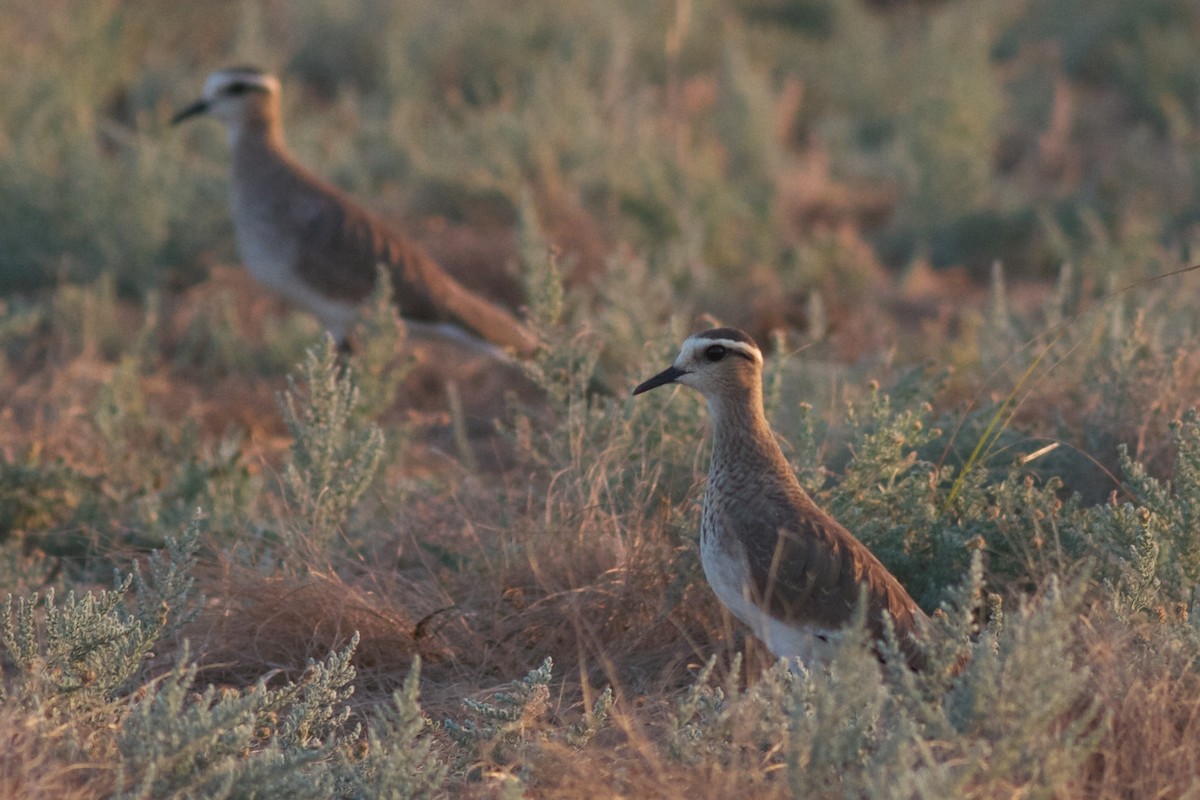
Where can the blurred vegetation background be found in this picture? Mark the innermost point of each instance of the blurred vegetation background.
(727, 143)
(867, 175)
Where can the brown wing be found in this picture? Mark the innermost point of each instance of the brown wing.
(333, 223)
(810, 569)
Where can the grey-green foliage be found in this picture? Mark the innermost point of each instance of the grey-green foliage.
(580, 733)
(78, 662)
(539, 262)
(316, 714)
(612, 445)
(820, 729)
(890, 498)
(73, 155)
(81, 650)
(1018, 715)
(335, 454)
(513, 721)
(1150, 543)
(1023, 712)
(85, 316)
(121, 416)
(918, 103)
(1133, 535)
(564, 369)
(40, 495)
(922, 520)
(84, 650)
(401, 763)
(256, 742)
(378, 337)
(833, 744)
(510, 721)
(732, 203)
(164, 598)
(158, 467)
(721, 722)
(886, 436)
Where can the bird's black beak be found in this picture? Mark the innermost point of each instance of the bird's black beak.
(668, 375)
(196, 108)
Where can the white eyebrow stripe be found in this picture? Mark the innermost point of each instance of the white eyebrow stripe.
(695, 343)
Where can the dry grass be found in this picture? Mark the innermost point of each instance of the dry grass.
(32, 762)
(1151, 692)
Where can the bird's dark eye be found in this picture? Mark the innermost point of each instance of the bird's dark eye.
(237, 88)
(715, 352)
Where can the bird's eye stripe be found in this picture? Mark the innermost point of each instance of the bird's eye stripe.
(242, 87)
(728, 347)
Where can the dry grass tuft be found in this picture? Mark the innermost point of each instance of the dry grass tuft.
(1151, 691)
(255, 625)
(29, 767)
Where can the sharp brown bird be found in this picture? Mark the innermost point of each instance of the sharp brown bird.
(774, 558)
(307, 240)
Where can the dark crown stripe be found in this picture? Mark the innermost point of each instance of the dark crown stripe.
(248, 71)
(733, 334)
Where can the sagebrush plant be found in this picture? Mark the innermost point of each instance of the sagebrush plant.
(92, 645)
(514, 723)
(161, 486)
(335, 453)
(379, 337)
(83, 650)
(1151, 561)
(401, 762)
(511, 721)
(174, 742)
(609, 446)
(87, 316)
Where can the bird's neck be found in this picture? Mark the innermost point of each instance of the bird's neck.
(741, 434)
(256, 137)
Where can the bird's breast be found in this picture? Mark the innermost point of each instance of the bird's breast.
(267, 247)
(271, 250)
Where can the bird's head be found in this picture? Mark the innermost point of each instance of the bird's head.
(719, 363)
(238, 97)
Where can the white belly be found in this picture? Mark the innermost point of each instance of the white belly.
(271, 259)
(729, 577)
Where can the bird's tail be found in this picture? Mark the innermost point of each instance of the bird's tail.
(435, 295)
(487, 319)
